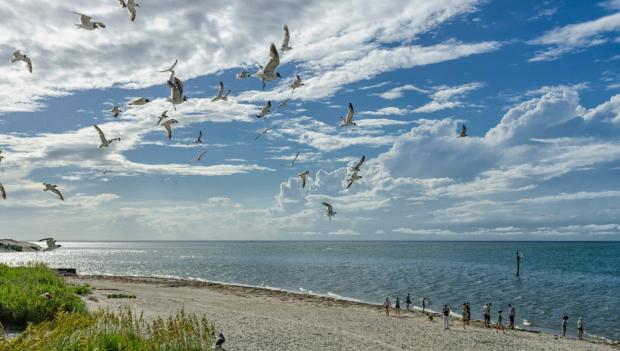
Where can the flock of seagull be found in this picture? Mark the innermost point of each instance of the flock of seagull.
(266, 73)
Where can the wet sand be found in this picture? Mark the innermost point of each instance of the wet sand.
(263, 319)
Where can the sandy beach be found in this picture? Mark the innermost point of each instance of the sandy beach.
(262, 319)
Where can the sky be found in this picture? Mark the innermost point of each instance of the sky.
(537, 83)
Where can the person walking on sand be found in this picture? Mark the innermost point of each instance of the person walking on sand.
(499, 325)
(424, 304)
(580, 328)
(397, 306)
(408, 301)
(466, 314)
(486, 313)
(446, 316)
(511, 316)
(564, 325)
(387, 304)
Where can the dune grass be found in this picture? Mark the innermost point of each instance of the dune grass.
(21, 299)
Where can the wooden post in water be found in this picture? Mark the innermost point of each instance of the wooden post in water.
(518, 262)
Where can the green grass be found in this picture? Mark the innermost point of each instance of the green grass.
(121, 296)
(20, 295)
(82, 289)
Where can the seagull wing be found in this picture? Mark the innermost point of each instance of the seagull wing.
(131, 7)
(349, 117)
(328, 206)
(220, 91)
(271, 66)
(287, 37)
(57, 192)
(2, 192)
(29, 64)
(295, 159)
(101, 135)
(359, 163)
(84, 19)
(122, 3)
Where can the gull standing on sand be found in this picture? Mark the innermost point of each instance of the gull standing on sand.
(51, 244)
(104, 142)
(220, 94)
(286, 39)
(2, 192)
(352, 178)
(296, 83)
(348, 119)
(199, 140)
(243, 74)
(18, 56)
(163, 116)
(268, 73)
(329, 210)
(140, 102)
(263, 132)
(176, 90)
(86, 22)
(171, 69)
(168, 125)
(53, 188)
(116, 111)
(304, 176)
(463, 132)
(199, 158)
(131, 8)
(266, 109)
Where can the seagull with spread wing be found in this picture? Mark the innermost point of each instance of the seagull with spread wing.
(262, 132)
(293, 162)
(163, 116)
(176, 90)
(348, 119)
(463, 132)
(199, 139)
(286, 39)
(18, 56)
(329, 209)
(168, 125)
(352, 178)
(265, 110)
(87, 23)
(269, 73)
(104, 142)
(130, 5)
(54, 189)
(199, 158)
(296, 83)
(220, 94)
(116, 111)
(171, 68)
(243, 74)
(356, 167)
(2, 192)
(140, 102)
(304, 177)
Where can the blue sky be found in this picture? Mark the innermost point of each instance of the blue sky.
(536, 82)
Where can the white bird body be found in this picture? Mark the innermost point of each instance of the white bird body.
(176, 90)
(265, 110)
(304, 177)
(168, 125)
(286, 39)
(104, 142)
(54, 189)
(116, 111)
(140, 102)
(296, 83)
(18, 56)
(348, 119)
(243, 74)
(220, 94)
(2, 192)
(352, 178)
(51, 245)
(268, 72)
(329, 209)
(131, 8)
(87, 23)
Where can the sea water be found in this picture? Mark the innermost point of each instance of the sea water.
(579, 279)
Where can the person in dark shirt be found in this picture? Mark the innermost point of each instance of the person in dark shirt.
(446, 316)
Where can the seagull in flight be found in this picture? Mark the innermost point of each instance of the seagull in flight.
(263, 132)
(104, 142)
(269, 73)
(219, 342)
(51, 244)
(87, 24)
(463, 132)
(53, 188)
(130, 5)
(296, 83)
(283, 103)
(293, 162)
(199, 140)
(168, 125)
(1, 157)
(18, 56)
(329, 210)
(348, 119)
(2, 192)
(356, 167)
(140, 102)
(176, 90)
(199, 158)
(354, 176)
(243, 74)
(304, 176)
(266, 109)
(285, 40)
(116, 111)
(171, 69)
(163, 116)
(220, 94)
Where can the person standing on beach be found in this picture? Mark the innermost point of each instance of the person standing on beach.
(499, 325)
(446, 316)
(580, 328)
(511, 316)
(397, 306)
(423, 304)
(486, 313)
(387, 304)
(564, 325)
(466, 314)
(408, 301)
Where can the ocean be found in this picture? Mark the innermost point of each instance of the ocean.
(579, 279)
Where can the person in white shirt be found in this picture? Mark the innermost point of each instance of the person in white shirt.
(387, 304)
(580, 328)
(486, 313)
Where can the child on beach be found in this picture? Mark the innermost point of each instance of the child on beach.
(511, 316)
(580, 328)
(466, 314)
(423, 304)
(486, 313)
(408, 301)
(499, 325)
(446, 316)
(564, 322)
(387, 303)
(397, 307)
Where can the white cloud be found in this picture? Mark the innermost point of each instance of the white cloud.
(398, 92)
(445, 97)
